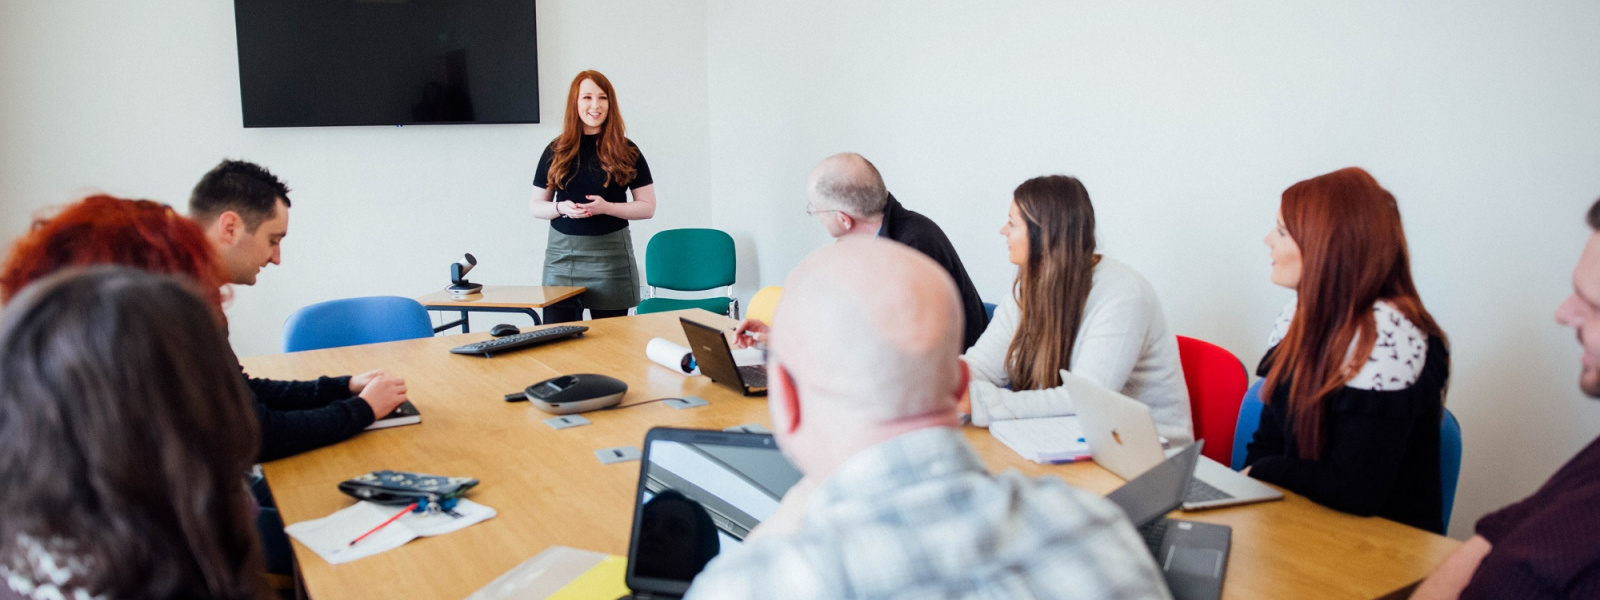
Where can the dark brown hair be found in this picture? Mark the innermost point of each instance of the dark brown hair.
(616, 156)
(1353, 254)
(243, 187)
(125, 434)
(1052, 289)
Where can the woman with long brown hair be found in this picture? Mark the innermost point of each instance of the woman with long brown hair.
(1355, 377)
(581, 187)
(124, 430)
(1072, 310)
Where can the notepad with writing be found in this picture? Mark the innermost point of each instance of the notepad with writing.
(405, 414)
(331, 536)
(1044, 440)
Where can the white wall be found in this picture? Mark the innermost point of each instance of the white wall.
(1186, 121)
(141, 99)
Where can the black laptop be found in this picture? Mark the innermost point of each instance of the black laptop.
(715, 358)
(1193, 556)
(700, 493)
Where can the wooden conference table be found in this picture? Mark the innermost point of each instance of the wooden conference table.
(549, 488)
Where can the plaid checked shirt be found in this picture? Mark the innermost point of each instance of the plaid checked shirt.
(920, 517)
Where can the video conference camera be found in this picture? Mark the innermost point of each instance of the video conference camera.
(459, 286)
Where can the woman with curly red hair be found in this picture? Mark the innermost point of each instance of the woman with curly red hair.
(102, 230)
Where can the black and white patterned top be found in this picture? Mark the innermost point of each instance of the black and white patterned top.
(45, 571)
(1398, 355)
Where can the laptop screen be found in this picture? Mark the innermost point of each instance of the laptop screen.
(700, 493)
(1159, 490)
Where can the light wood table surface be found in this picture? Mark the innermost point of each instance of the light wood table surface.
(550, 489)
(521, 299)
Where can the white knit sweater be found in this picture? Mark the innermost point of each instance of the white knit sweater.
(1123, 344)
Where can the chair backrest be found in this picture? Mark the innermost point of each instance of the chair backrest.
(1249, 420)
(988, 309)
(690, 260)
(764, 304)
(1217, 381)
(1449, 446)
(353, 321)
(1449, 461)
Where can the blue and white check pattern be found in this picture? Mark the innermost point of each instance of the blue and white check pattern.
(920, 517)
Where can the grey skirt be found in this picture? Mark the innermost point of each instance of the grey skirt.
(602, 263)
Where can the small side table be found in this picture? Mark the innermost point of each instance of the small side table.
(498, 298)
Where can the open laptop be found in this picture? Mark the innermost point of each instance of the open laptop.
(715, 358)
(700, 493)
(1193, 556)
(1122, 437)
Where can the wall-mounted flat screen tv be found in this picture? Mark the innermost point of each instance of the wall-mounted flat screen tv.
(308, 63)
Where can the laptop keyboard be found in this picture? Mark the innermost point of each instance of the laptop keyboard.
(754, 376)
(1154, 532)
(1200, 491)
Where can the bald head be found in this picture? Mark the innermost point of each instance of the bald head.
(870, 328)
(850, 183)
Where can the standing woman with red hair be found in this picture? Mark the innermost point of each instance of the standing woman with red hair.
(1356, 374)
(581, 187)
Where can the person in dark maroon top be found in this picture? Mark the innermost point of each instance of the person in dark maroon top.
(1547, 545)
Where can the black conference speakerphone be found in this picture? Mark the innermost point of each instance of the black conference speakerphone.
(489, 348)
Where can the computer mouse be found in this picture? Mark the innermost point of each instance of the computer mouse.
(504, 329)
(578, 393)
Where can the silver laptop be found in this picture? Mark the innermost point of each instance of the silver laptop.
(1122, 437)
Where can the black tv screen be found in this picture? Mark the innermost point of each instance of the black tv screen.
(305, 63)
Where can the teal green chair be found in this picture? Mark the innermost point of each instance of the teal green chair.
(690, 260)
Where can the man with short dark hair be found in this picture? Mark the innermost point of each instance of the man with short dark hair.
(244, 210)
(894, 503)
(1548, 544)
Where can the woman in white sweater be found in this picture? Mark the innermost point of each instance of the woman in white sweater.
(1072, 310)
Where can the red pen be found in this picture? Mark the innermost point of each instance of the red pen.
(392, 519)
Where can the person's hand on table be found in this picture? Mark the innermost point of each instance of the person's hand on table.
(751, 332)
(573, 210)
(359, 382)
(383, 394)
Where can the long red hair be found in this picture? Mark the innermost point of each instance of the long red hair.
(103, 229)
(1353, 254)
(616, 156)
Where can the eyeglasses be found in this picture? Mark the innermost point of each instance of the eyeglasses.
(814, 211)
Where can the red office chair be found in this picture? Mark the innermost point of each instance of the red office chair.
(1217, 381)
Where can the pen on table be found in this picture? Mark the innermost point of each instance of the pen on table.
(392, 519)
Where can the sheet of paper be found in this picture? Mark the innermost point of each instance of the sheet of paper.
(1043, 440)
(330, 536)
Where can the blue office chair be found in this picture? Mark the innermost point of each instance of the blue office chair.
(1249, 418)
(1449, 446)
(988, 308)
(353, 321)
(1449, 462)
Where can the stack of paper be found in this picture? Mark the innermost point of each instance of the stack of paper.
(561, 573)
(330, 536)
(1044, 440)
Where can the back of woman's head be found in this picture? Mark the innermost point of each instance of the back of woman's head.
(1353, 254)
(1053, 287)
(105, 230)
(125, 434)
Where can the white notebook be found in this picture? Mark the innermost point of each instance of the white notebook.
(1044, 440)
